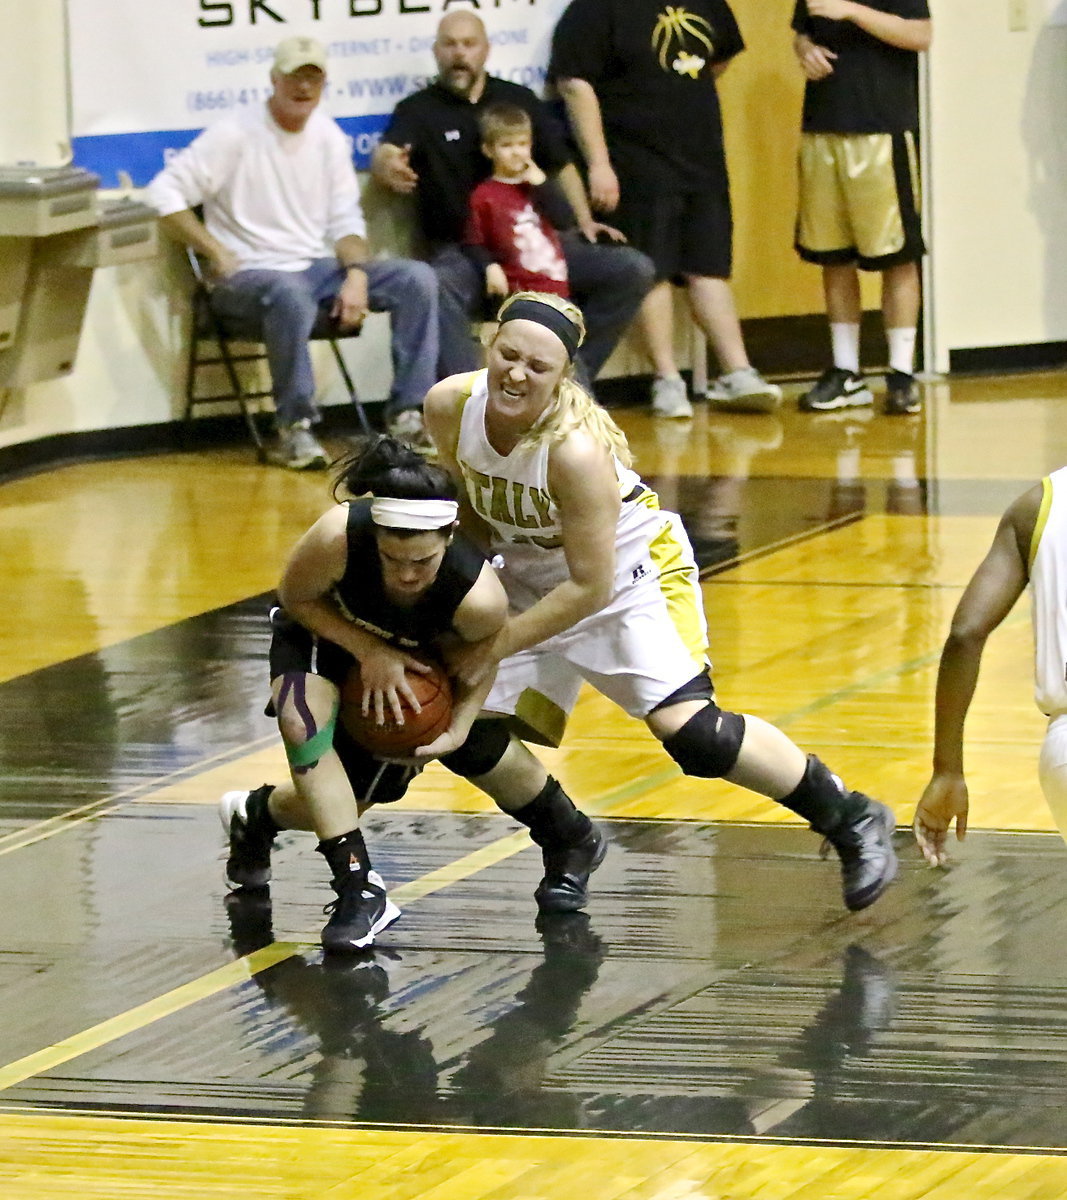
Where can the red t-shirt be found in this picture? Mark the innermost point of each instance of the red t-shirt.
(504, 219)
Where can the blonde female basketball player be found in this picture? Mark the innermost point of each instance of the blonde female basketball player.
(603, 584)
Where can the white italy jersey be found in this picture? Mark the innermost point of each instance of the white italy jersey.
(1048, 596)
(510, 492)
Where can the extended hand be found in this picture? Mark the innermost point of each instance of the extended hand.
(382, 672)
(352, 304)
(815, 61)
(943, 801)
(592, 231)
(533, 175)
(448, 741)
(223, 263)
(603, 188)
(496, 282)
(397, 173)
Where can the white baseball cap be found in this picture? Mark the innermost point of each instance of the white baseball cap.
(297, 52)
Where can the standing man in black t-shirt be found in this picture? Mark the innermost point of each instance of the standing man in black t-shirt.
(638, 79)
(859, 182)
(432, 149)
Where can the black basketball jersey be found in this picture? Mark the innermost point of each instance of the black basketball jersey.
(360, 592)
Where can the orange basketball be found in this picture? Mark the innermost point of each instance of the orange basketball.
(434, 694)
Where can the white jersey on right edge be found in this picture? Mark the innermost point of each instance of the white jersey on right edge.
(1048, 596)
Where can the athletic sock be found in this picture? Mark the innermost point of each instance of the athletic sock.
(901, 349)
(845, 341)
(822, 799)
(552, 818)
(346, 854)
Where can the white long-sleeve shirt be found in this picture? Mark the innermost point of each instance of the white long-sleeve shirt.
(276, 199)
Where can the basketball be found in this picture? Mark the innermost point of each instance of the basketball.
(434, 694)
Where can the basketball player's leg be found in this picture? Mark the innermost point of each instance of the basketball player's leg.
(496, 761)
(883, 191)
(320, 795)
(307, 706)
(660, 638)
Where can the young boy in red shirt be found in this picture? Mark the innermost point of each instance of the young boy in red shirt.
(514, 214)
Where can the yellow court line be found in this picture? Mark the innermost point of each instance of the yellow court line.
(462, 868)
(18, 839)
(238, 971)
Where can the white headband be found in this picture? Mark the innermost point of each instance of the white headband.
(391, 513)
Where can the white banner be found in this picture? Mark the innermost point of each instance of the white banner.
(148, 75)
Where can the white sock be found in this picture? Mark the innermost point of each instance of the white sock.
(901, 349)
(848, 465)
(904, 469)
(845, 340)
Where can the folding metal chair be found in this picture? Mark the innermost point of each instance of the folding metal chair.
(212, 344)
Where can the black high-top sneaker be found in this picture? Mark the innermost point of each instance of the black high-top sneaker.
(362, 910)
(251, 832)
(565, 886)
(864, 843)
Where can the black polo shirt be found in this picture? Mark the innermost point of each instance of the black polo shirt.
(442, 130)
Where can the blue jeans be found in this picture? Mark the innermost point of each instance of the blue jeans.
(607, 282)
(284, 306)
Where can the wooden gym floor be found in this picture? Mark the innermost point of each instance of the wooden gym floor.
(716, 1025)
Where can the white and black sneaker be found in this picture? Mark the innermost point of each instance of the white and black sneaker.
(248, 864)
(836, 388)
(362, 910)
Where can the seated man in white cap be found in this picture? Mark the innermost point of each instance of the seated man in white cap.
(284, 236)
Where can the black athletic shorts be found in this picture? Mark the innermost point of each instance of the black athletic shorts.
(684, 233)
(294, 649)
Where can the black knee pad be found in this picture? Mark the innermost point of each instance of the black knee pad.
(708, 744)
(484, 748)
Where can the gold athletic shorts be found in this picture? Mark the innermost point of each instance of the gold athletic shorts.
(859, 199)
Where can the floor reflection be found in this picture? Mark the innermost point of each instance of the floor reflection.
(367, 1069)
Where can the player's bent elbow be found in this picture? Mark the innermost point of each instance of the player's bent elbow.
(966, 639)
(596, 596)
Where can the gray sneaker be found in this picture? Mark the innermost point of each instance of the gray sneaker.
(298, 449)
(408, 427)
(670, 399)
(744, 390)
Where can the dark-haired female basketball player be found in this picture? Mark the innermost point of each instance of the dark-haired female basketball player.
(379, 579)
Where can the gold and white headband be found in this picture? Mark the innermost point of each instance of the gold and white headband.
(392, 513)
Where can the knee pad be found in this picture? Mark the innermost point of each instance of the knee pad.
(484, 748)
(708, 744)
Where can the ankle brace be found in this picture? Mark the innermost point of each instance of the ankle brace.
(552, 819)
(821, 798)
(346, 854)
